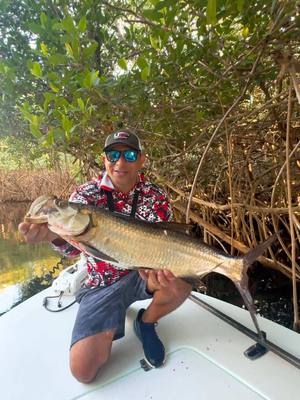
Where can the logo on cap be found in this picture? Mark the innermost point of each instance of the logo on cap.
(121, 135)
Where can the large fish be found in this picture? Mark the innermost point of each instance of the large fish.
(130, 243)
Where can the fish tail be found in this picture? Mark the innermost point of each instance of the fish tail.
(252, 255)
(242, 285)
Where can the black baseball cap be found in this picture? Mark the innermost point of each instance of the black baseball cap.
(123, 137)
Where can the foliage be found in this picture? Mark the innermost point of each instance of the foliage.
(167, 68)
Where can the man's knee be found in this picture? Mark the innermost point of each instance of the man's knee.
(88, 355)
(86, 369)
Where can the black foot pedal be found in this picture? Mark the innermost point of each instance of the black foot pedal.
(258, 349)
(255, 351)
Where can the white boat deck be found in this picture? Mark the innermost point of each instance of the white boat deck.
(204, 358)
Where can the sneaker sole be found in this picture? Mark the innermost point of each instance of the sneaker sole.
(153, 366)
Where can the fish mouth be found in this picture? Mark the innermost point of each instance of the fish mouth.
(40, 209)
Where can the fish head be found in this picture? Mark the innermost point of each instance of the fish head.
(63, 218)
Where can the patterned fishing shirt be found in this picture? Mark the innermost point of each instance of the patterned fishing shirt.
(153, 206)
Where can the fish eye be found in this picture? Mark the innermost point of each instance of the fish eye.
(61, 203)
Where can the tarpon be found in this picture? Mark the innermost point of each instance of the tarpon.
(130, 243)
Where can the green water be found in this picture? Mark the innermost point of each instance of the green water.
(20, 261)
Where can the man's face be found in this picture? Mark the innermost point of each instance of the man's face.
(122, 173)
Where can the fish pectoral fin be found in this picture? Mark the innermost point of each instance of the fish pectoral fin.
(198, 281)
(92, 251)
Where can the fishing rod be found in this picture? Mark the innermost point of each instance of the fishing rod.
(261, 347)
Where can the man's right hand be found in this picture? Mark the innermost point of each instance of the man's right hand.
(36, 233)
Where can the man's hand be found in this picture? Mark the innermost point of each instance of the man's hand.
(157, 279)
(36, 233)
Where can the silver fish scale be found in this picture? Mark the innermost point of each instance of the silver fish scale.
(141, 245)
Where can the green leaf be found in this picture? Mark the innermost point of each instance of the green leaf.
(66, 123)
(25, 110)
(161, 4)
(35, 131)
(90, 79)
(76, 48)
(211, 12)
(199, 115)
(43, 19)
(90, 51)
(122, 64)
(35, 120)
(3, 68)
(36, 28)
(154, 42)
(50, 138)
(81, 104)
(145, 73)
(57, 59)
(142, 62)
(57, 26)
(53, 76)
(240, 5)
(36, 70)
(44, 49)
(95, 78)
(48, 98)
(68, 24)
(153, 15)
(54, 88)
(82, 24)
(69, 50)
(245, 31)
(87, 83)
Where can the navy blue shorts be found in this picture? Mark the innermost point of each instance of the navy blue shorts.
(104, 308)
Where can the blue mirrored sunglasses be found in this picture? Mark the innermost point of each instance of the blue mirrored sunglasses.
(129, 155)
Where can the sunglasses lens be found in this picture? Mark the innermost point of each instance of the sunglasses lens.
(130, 155)
(113, 155)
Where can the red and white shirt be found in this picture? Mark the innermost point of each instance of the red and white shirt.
(153, 206)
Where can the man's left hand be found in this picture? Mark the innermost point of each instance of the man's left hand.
(157, 279)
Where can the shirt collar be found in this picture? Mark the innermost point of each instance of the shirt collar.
(106, 183)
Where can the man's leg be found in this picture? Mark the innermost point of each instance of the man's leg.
(168, 294)
(88, 355)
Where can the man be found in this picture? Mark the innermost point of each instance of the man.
(108, 292)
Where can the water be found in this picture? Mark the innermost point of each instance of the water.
(20, 261)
